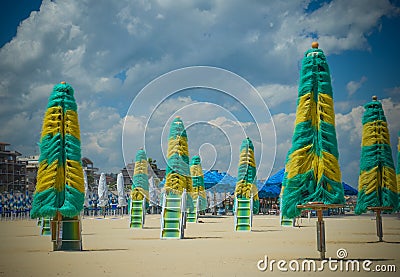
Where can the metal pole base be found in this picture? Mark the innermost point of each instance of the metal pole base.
(321, 235)
(66, 234)
(379, 231)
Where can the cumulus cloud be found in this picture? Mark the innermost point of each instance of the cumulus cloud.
(354, 86)
(206, 124)
(278, 95)
(109, 51)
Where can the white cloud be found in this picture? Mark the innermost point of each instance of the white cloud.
(87, 43)
(354, 86)
(276, 94)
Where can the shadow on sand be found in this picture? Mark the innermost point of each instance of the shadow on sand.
(104, 250)
(201, 237)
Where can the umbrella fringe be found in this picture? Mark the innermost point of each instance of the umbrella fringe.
(178, 171)
(312, 172)
(140, 184)
(198, 183)
(377, 185)
(60, 185)
(245, 186)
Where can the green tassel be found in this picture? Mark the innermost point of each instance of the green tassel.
(377, 185)
(60, 186)
(312, 172)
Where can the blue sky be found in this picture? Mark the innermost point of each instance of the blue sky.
(110, 50)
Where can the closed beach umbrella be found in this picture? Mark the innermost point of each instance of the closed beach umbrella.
(178, 172)
(120, 188)
(246, 180)
(140, 184)
(377, 181)
(60, 186)
(154, 191)
(85, 181)
(102, 191)
(60, 191)
(198, 182)
(312, 172)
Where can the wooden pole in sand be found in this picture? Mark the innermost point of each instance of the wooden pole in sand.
(57, 229)
(320, 207)
(321, 234)
(378, 217)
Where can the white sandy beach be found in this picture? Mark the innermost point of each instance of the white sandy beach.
(210, 248)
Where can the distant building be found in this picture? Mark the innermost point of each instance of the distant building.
(91, 172)
(128, 170)
(127, 173)
(12, 171)
(160, 173)
(32, 167)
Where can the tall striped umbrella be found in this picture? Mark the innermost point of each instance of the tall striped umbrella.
(198, 182)
(377, 181)
(178, 173)
(246, 184)
(312, 172)
(140, 184)
(59, 188)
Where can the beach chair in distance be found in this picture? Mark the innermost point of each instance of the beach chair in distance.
(243, 214)
(173, 216)
(137, 210)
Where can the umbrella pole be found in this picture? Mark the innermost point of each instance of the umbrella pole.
(379, 232)
(57, 239)
(319, 207)
(378, 217)
(321, 235)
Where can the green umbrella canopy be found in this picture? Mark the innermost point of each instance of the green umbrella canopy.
(245, 186)
(178, 172)
(140, 184)
(60, 184)
(312, 172)
(377, 181)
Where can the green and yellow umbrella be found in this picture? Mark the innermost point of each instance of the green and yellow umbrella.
(60, 185)
(377, 181)
(246, 181)
(198, 183)
(140, 184)
(178, 172)
(312, 172)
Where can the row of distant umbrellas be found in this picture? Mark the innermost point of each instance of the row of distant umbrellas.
(214, 181)
(15, 201)
(220, 182)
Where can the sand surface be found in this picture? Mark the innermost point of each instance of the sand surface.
(210, 248)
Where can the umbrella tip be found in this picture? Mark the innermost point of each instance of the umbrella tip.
(374, 98)
(62, 82)
(314, 44)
